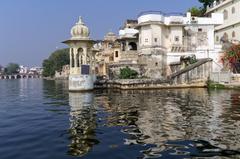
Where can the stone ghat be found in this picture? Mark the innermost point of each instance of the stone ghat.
(193, 76)
(151, 84)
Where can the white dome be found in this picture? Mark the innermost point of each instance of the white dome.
(110, 36)
(80, 30)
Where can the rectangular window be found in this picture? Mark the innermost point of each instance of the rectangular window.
(155, 39)
(146, 40)
(199, 29)
(85, 69)
(116, 53)
(176, 38)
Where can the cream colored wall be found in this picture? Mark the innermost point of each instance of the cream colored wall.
(230, 24)
(145, 34)
(157, 33)
(176, 31)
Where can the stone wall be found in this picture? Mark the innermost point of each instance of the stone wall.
(195, 75)
(114, 69)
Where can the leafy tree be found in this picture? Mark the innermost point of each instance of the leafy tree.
(206, 3)
(12, 68)
(127, 73)
(198, 12)
(55, 62)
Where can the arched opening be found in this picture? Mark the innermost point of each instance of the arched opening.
(233, 34)
(24, 76)
(225, 14)
(116, 53)
(132, 46)
(72, 57)
(78, 61)
(225, 35)
(224, 38)
(18, 76)
(233, 10)
(7, 77)
(79, 57)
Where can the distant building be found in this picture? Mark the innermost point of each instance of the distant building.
(23, 69)
(120, 49)
(229, 30)
(35, 70)
(1, 69)
(105, 56)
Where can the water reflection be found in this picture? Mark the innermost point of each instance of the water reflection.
(82, 123)
(156, 117)
(179, 123)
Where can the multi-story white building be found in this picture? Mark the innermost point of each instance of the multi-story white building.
(230, 29)
(164, 38)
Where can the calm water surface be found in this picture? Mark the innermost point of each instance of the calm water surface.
(42, 120)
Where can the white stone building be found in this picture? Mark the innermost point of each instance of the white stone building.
(164, 38)
(230, 29)
(23, 69)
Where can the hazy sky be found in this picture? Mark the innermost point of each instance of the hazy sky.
(31, 29)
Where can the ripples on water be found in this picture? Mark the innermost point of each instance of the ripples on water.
(40, 119)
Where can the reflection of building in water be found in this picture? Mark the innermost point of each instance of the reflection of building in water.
(82, 123)
(168, 115)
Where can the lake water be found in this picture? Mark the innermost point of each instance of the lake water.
(42, 120)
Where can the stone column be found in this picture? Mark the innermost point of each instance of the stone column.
(75, 58)
(70, 52)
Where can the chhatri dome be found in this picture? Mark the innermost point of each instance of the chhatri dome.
(80, 30)
(110, 36)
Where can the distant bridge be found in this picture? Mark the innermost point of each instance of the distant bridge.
(20, 76)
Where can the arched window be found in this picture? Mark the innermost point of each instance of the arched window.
(79, 57)
(78, 61)
(217, 38)
(225, 14)
(132, 46)
(233, 34)
(73, 60)
(233, 10)
(224, 38)
(116, 53)
(225, 35)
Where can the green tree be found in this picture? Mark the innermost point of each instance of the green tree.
(198, 12)
(206, 3)
(12, 68)
(55, 62)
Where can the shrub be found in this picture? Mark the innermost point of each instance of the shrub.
(127, 73)
(232, 57)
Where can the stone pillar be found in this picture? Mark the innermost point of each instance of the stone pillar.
(70, 55)
(75, 58)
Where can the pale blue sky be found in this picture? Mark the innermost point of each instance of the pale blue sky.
(31, 29)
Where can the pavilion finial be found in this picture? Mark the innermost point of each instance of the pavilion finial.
(80, 21)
